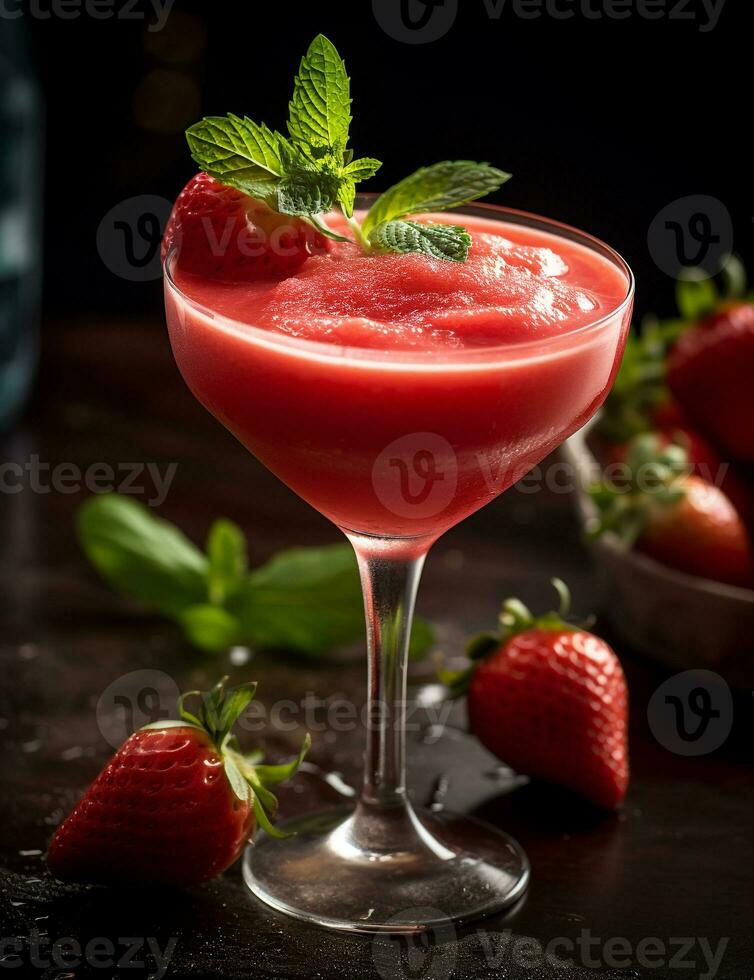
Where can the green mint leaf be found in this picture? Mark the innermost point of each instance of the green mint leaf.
(361, 169)
(263, 188)
(140, 554)
(310, 185)
(226, 551)
(239, 152)
(320, 107)
(209, 627)
(449, 242)
(305, 193)
(350, 175)
(347, 195)
(236, 151)
(436, 188)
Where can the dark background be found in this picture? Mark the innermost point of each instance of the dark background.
(602, 121)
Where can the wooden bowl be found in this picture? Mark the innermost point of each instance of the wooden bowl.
(680, 620)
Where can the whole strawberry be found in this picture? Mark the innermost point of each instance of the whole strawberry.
(550, 700)
(705, 461)
(221, 233)
(676, 518)
(175, 805)
(710, 371)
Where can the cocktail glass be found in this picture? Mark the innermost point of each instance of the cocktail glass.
(395, 447)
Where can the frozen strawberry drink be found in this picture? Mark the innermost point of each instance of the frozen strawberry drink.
(397, 393)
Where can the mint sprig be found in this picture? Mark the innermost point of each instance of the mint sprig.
(303, 175)
(310, 171)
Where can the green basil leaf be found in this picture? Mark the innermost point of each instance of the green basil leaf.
(141, 555)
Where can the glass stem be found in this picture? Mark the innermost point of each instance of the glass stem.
(389, 584)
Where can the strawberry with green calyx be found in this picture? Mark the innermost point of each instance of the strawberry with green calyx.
(550, 700)
(673, 516)
(176, 804)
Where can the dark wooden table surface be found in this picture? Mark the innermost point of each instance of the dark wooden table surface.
(659, 889)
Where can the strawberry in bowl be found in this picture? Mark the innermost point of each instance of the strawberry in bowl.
(710, 370)
(674, 516)
(176, 804)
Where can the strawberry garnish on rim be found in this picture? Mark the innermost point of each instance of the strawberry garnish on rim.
(176, 804)
(550, 700)
(221, 233)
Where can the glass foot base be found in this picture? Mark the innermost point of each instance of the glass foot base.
(395, 872)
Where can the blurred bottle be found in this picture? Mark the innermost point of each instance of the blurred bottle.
(20, 217)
